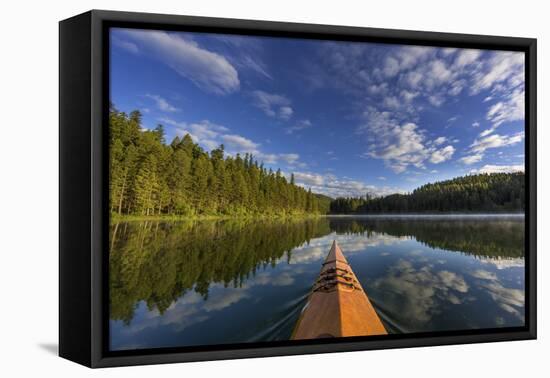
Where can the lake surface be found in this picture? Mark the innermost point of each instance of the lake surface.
(213, 282)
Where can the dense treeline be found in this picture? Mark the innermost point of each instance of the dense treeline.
(497, 192)
(150, 177)
(158, 262)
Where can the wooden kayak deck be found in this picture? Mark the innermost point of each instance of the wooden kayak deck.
(337, 305)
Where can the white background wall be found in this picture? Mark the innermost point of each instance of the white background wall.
(29, 189)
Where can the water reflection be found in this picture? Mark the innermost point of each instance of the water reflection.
(212, 282)
(158, 262)
(484, 237)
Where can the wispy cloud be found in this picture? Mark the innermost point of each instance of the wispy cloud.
(204, 132)
(245, 53)
(471, 159)
(240, 144)
(298, 126)
(273, 105)
(210, 136)
(162, 103)
(484, 143)
(333, 186)
(125, 45)
(208, 70)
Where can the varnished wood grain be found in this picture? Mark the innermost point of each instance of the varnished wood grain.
(337, 306)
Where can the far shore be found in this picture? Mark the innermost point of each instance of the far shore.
(163, 217)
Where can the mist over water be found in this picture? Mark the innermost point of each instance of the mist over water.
(234, 281)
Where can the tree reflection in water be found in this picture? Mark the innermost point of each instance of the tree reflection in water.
(159, 262)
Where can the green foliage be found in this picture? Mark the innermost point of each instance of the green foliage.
(497, 192)
(158, 262)
(151, 178)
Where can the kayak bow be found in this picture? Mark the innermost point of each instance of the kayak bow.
(337, 305)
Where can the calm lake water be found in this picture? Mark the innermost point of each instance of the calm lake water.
(214, 282)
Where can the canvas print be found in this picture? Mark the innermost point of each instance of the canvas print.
(268, 189)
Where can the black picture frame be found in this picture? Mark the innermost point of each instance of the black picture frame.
(83, 181)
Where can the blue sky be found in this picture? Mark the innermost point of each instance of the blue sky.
(346, 118)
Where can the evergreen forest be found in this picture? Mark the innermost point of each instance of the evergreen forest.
(150, 177)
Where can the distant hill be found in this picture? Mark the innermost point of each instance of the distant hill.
(497, 192)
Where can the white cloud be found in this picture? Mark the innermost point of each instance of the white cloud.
(466, 57)
(300, 125)
(448, 51)
(208, 70)
(285, 112)
(471, 159)
(401, 146)
(413, 78)
(495, 141)
(452, 119)
(391, 67)
(408, 96)
(439, 72)
(289, 158)
(486, 132)
(207, 129)
(499, 169)
(409, 56)
(392, 102)
(309, 179)
(442, 155)
(436, 100)
(204, 132)
(502, 68)
(512, 108)
(456, 87)
(162, 103)
(334, 186)
(128, 46)
(239, 143)
(273, 105)
(210, 136)
(424, 77)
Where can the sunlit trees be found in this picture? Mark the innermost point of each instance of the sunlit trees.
(150, 177)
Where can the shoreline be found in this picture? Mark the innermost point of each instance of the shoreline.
(179, 218)
(131, 218)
